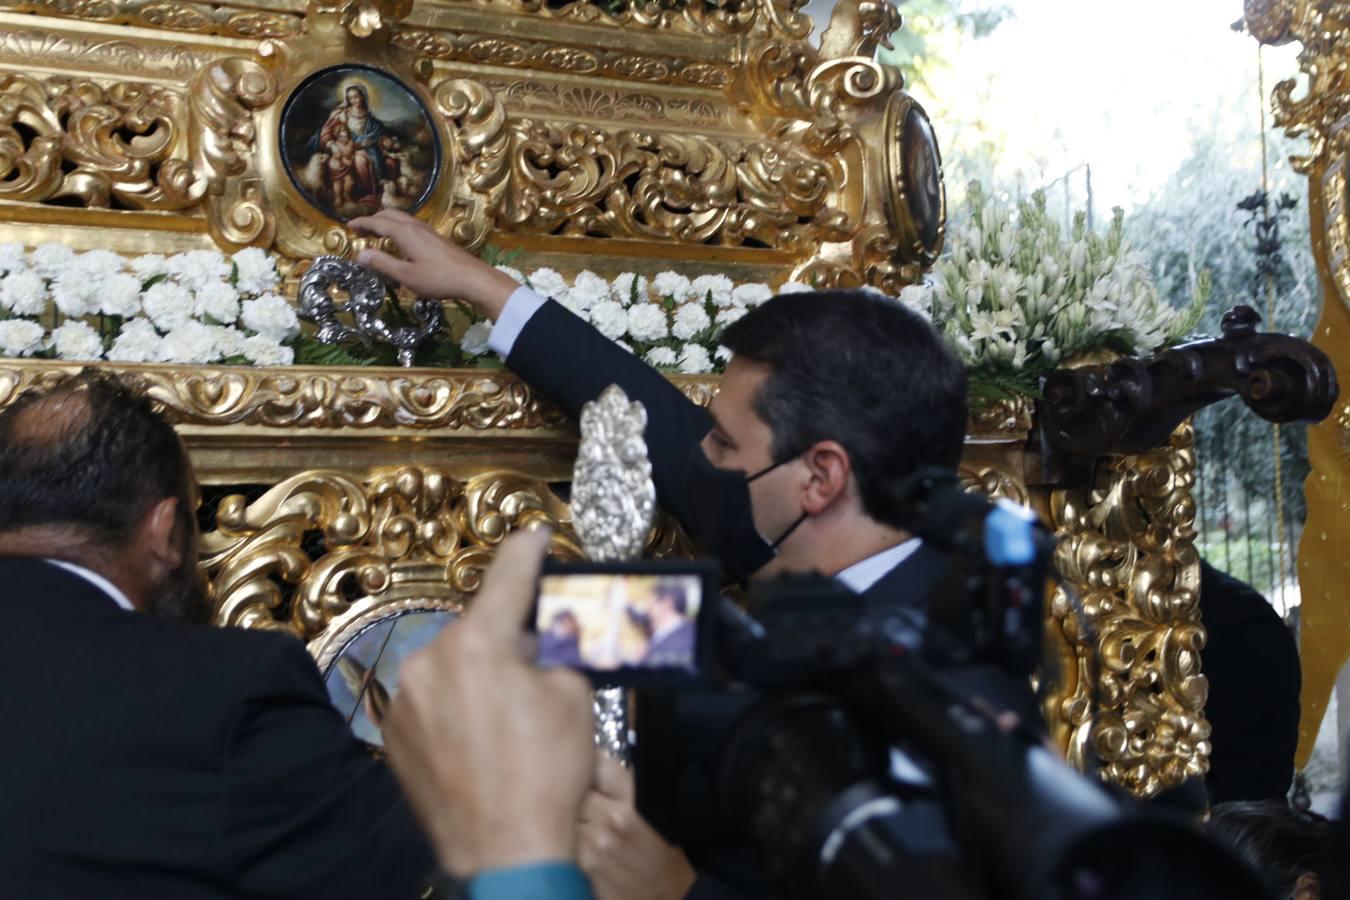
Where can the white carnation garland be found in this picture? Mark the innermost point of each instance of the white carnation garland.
(203, 307)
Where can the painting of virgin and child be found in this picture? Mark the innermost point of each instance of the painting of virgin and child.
(356, 140)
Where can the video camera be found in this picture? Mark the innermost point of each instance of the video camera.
(897, 752)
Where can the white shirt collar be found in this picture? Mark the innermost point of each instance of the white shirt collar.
(97, 581)
(866, 572)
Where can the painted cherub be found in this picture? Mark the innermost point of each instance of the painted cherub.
(341, 158)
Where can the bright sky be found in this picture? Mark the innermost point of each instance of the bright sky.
(1114, 84)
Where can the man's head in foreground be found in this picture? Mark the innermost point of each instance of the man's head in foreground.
(90, 474)
(831, 400)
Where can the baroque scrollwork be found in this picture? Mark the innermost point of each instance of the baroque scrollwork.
(592, 181)
(324, 398)
(1132, 688)
(320, 543)
(300, 555)
(121, 145)
(223, 100)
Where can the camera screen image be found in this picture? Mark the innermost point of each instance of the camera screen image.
(610, 622)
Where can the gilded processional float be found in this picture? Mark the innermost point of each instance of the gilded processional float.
(199, 157)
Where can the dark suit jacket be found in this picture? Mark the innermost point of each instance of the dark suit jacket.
(673, 648)
(570, 362)
(143, 759)
(1251, 661)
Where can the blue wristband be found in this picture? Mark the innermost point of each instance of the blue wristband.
(540, 881)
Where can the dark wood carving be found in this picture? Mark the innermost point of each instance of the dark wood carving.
(1131, 405)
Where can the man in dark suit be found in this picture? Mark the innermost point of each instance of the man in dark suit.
(672, 641)
(146, 755)
(1251, 661)
(831, 400)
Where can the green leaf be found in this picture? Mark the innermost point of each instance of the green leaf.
(153, 280)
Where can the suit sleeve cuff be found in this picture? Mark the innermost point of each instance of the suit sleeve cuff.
(520, 307)
(541, 881)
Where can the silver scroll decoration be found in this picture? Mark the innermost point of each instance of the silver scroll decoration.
(613, 508)
(366, 292)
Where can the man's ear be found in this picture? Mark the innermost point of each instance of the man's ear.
(830, 469)
(158, 537)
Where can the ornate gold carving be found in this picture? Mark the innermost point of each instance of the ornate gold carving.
(1127, 547)
(600, 103)
(38, 46)
(548, 56)
(482, 151)
(1322, 114)
(994, 483)
(205, 18)
(362, 17)
(321, 544)
(402, 533)
(302, 397)
(115, 146)
(224, 98)
(592, 181)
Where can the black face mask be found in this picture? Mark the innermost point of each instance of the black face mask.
(720, 517)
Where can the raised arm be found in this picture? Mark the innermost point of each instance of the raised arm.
(554, 351)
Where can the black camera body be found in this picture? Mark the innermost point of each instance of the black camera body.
(897, 752)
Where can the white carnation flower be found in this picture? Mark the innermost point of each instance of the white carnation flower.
(120, 295)
(675, 286)
(74, 295)
(475, 340)
(217, 300)
(630, 289)
(23, 293)
(548, 282)
(263, 351)
(722, 354)
(257, 272)
(750, 295)
(196, 268)
(718, 288)
(587, 290)
(98, 264)
(610, 319)
(647, 322)
(191, 342)
(726, 316)
(229, 341)
(918, 297)
(662, 357)
(168, 305)
(270, 316)
(694, 359)
(137, 342)
(51, 260)
(20, 337)
(516, 275)
(794, 287)
(148, 266)
(690, 319)
(12, 259)
(76, 340)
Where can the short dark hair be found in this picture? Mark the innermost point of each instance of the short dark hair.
(98, 467)
(860, 368)
(676, 594)
(1281, 843)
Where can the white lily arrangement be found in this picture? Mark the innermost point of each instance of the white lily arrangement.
(1016, 298)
